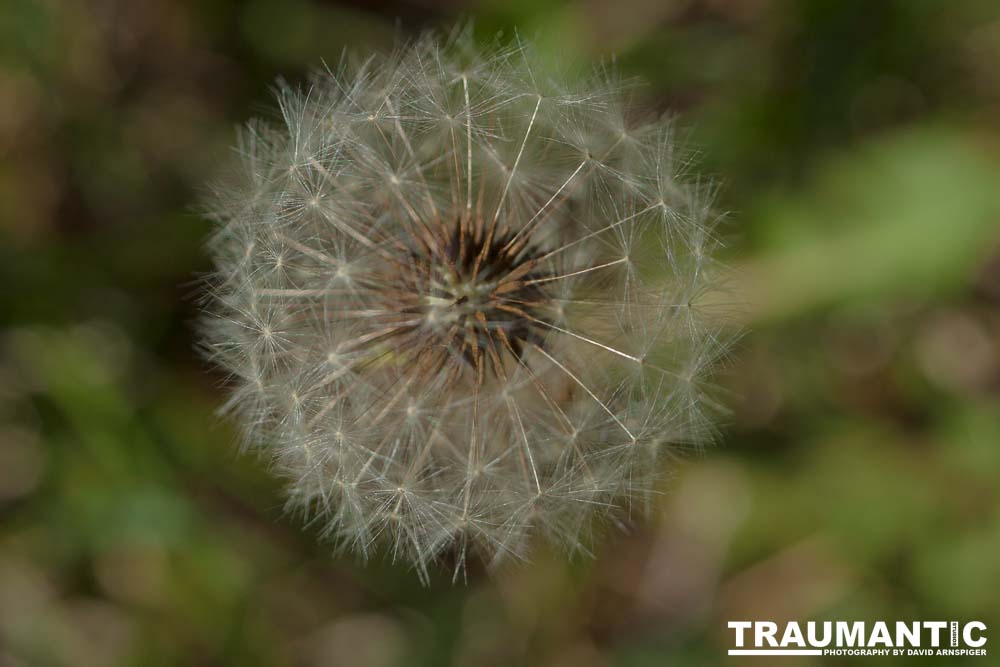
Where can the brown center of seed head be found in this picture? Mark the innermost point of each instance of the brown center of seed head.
(469, 303)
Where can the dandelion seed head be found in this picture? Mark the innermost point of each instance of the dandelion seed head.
(458, 301)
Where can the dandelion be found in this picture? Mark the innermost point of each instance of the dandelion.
(459, 302)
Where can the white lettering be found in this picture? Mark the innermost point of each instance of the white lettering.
(880, 635)
(967, 634)
(827, 634)
(907, 633)
(765, 630)
(792, 636)
(935, 627)
(739, 626)
(850, 634)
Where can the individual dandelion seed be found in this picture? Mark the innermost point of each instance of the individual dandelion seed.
(458, 301)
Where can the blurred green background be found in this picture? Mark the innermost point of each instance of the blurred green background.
(858, 146)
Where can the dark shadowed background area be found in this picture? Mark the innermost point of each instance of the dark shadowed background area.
(858, 146)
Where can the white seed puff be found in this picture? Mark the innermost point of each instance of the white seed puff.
(459, 301)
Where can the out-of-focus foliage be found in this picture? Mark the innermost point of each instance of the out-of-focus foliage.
(859, 150)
